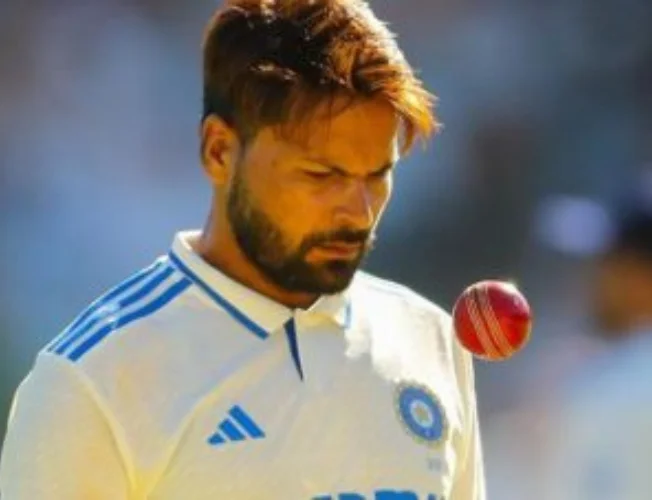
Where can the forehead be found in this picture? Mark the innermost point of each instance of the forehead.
(364, 135)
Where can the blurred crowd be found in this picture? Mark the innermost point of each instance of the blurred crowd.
(547, 112)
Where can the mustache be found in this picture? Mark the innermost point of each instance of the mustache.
(350, 236)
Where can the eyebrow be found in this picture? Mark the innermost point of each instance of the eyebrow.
(342, 171)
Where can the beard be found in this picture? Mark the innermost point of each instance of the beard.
(264, 244)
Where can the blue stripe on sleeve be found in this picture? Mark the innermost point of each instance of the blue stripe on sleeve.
(153, 306)
(139, 294)
(103, 300)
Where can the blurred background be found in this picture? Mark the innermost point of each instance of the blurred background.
(547, 108)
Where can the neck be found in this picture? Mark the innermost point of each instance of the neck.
(217, 245)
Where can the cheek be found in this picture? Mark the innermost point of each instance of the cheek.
(324, 199)
(296, 210)
(308, 199)
(380, 196)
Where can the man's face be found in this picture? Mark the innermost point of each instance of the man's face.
(303, 205)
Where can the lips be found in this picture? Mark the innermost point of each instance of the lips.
(341, 250)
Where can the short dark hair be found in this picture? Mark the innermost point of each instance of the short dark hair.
(270, 62)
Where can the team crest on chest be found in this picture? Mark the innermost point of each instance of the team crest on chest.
(421, 413)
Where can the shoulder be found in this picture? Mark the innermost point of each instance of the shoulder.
(418, 335)
(152, 338)
(406, 319)
(128, 310)
(381, 292)
(138, 350)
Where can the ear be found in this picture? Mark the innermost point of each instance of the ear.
(220, 149)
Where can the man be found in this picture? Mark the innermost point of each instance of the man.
(253, 361)
(601, 444)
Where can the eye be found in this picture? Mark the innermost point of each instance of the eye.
(318, 173)
(381, 174)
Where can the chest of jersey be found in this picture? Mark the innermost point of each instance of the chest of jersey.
(345, 417)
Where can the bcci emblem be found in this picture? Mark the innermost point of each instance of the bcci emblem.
(421, 414)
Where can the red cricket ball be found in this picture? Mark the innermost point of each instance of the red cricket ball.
(492, 319)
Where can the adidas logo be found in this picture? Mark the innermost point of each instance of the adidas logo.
(238, 426)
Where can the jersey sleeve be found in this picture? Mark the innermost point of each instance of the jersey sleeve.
(469, 483)
(60, 445)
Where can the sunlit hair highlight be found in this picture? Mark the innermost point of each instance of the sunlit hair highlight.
(274, 62)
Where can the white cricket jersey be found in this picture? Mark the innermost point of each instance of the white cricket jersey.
(601, 437)
(181, 384)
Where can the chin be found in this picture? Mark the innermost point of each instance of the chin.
(324, 278)
(330, 282)
(340, 273)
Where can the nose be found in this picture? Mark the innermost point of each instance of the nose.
(356, 208)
